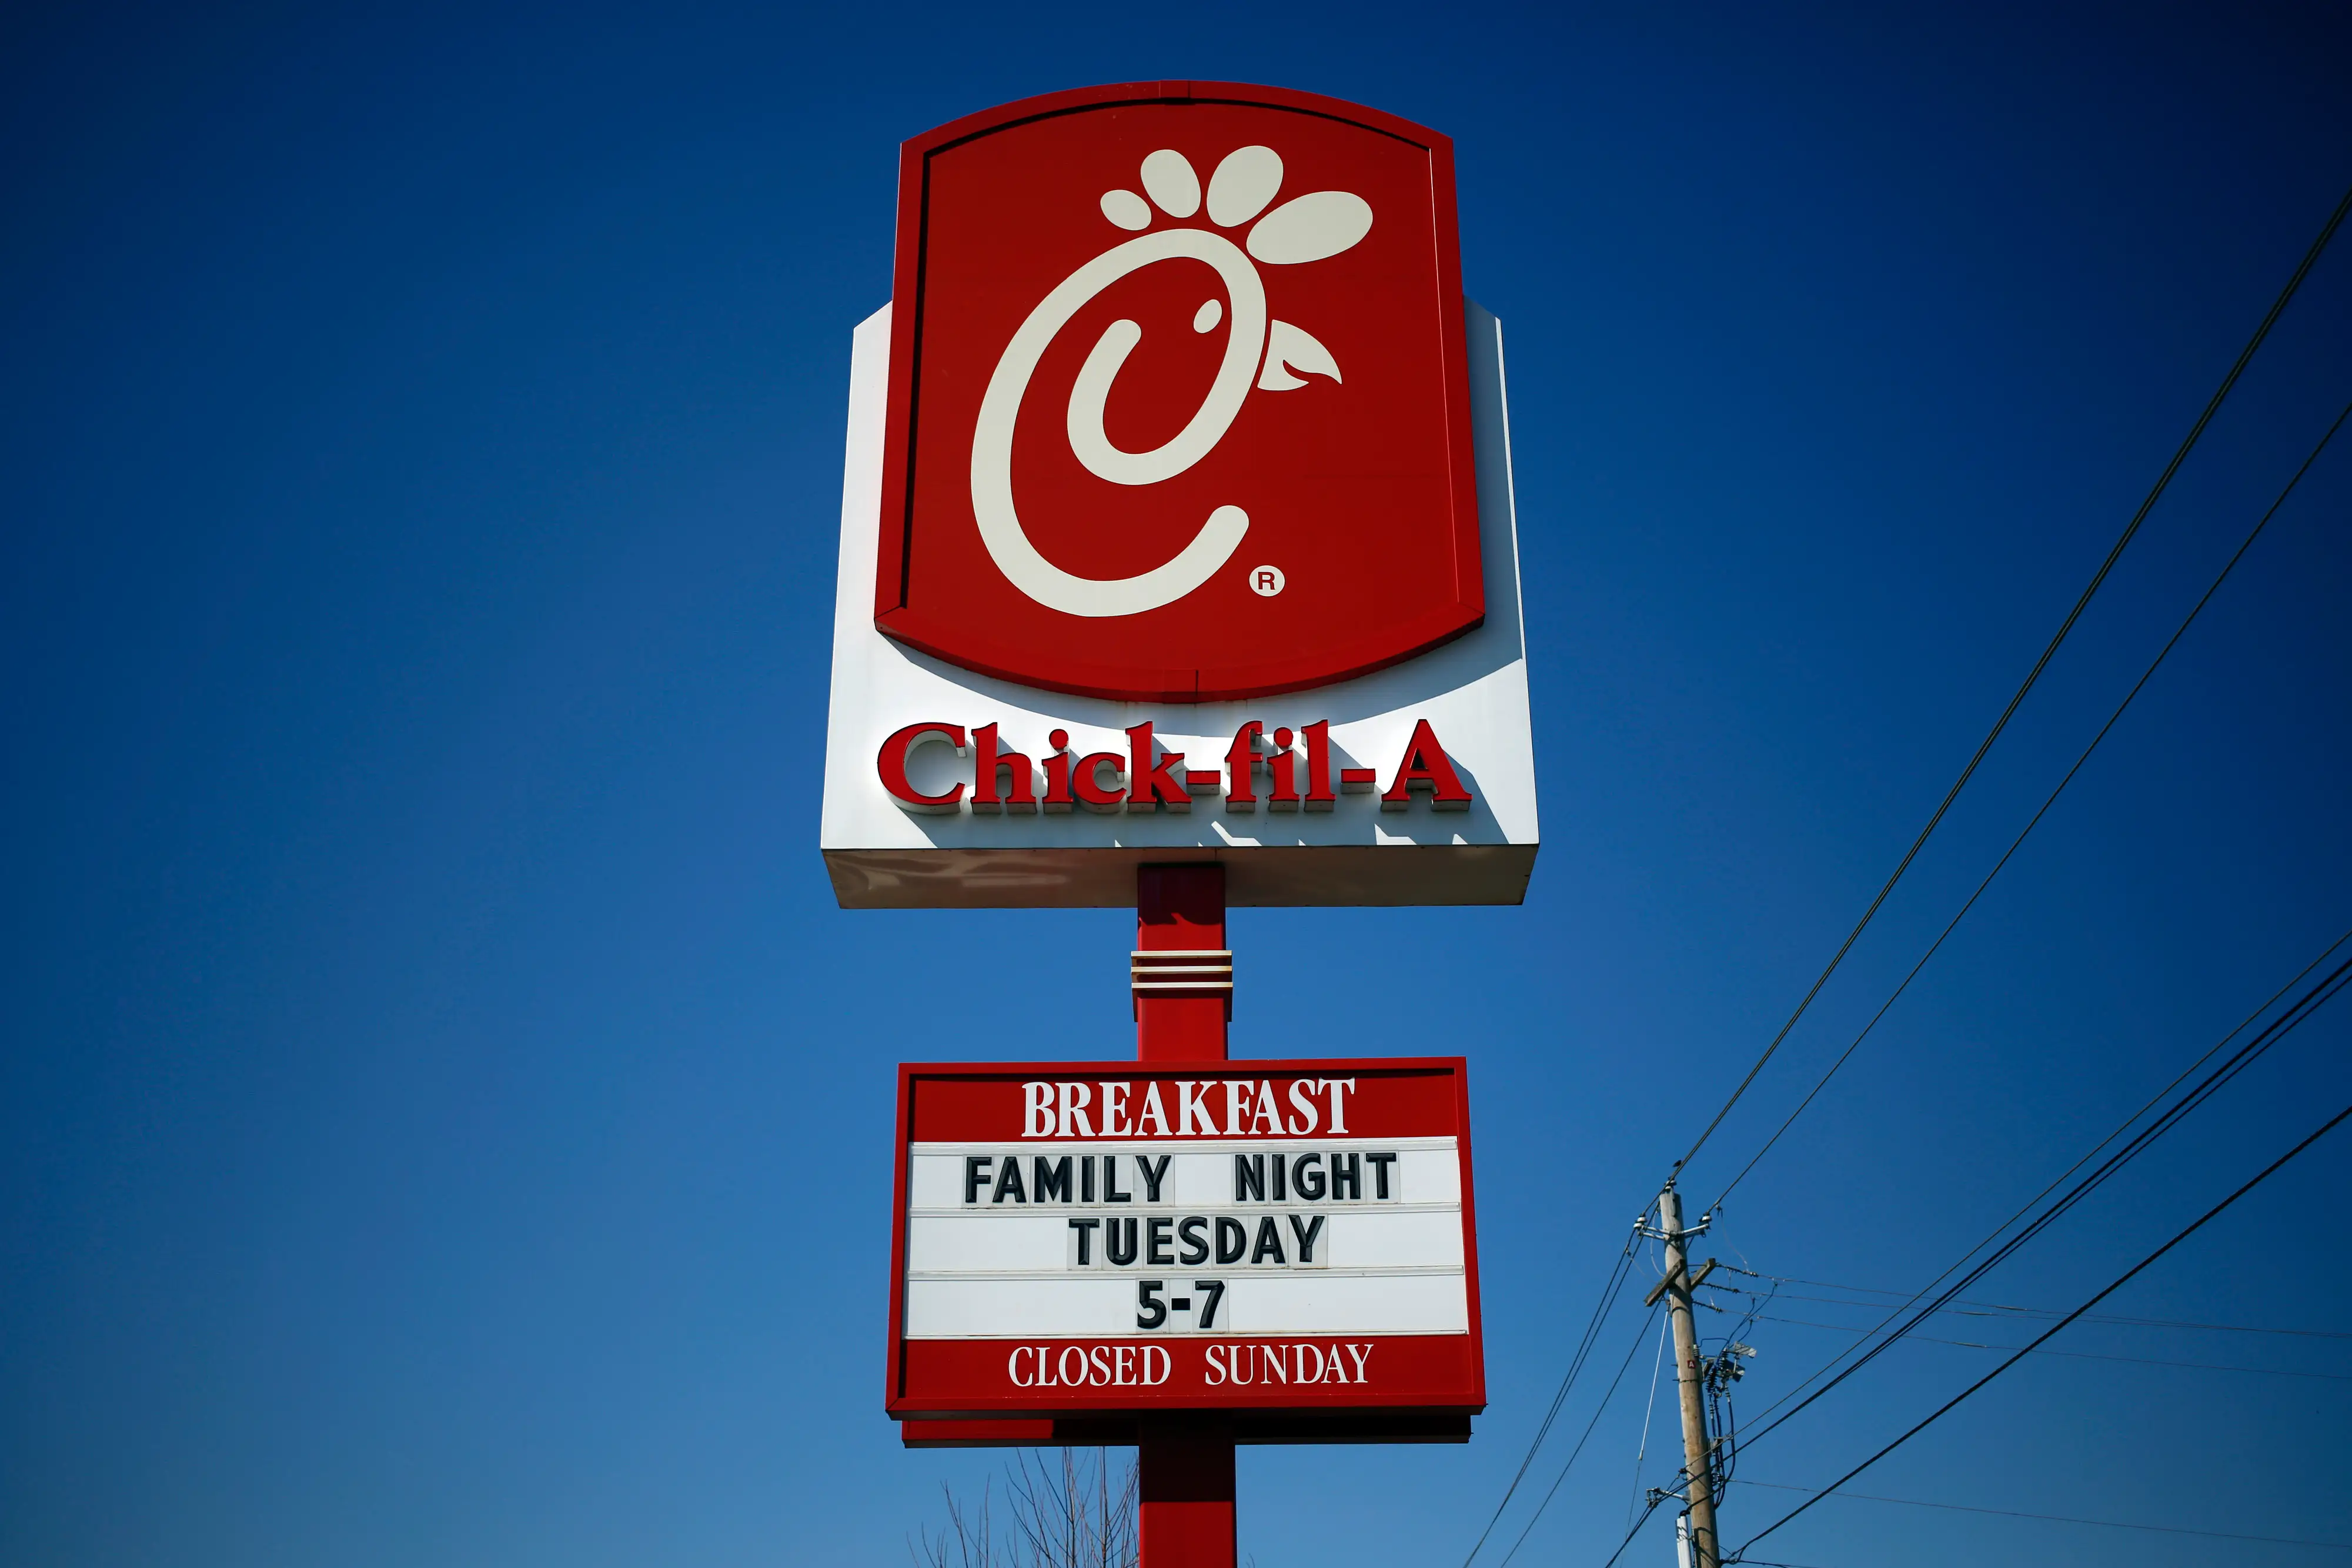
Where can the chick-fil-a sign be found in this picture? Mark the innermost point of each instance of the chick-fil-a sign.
(1177, 400)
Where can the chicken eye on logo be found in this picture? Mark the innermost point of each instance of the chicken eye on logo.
(1259, 351)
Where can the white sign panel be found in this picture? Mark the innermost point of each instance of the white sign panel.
(1414, 784)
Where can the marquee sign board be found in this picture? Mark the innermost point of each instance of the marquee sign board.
(1264, 1237)
(1176, 519)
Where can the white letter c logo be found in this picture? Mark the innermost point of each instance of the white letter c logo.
(1000, 412)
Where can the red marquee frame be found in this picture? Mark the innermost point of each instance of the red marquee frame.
(1453, 1386)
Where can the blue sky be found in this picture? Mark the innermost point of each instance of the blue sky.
(443, 1117)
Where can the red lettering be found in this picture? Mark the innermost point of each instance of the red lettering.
(1426, 767)
(1318, 766)
(891, 763)
(1240, 769)
(1058, 771)
(1281, 770)
(1154, 783)
(1021, 793)
(1086, 779)
(1146, 779)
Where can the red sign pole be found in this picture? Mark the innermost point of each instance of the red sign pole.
(1183, 986)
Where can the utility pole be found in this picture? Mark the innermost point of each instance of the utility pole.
(1705, 1546)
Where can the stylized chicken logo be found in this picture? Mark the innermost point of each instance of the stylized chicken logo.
(1258, 350)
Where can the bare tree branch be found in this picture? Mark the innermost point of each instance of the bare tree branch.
(1067, 1509)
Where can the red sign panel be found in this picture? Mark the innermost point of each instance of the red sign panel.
(1178, 406)
(1077, 1239)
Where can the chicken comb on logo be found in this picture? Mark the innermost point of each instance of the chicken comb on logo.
(1083, 436)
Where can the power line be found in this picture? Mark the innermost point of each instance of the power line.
(1615, 1283)
(2177, 1323)
(2269, 1035)
(1655, 1499)
(2073, 1354)
(2164, 481)
(2120, 1281)
(2147, 504)
(1640, 1334)
(2019, 843)
(2311, 1001)
(2055, 1518)
(1997, 1310)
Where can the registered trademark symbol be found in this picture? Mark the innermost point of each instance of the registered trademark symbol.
(1265, 581)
